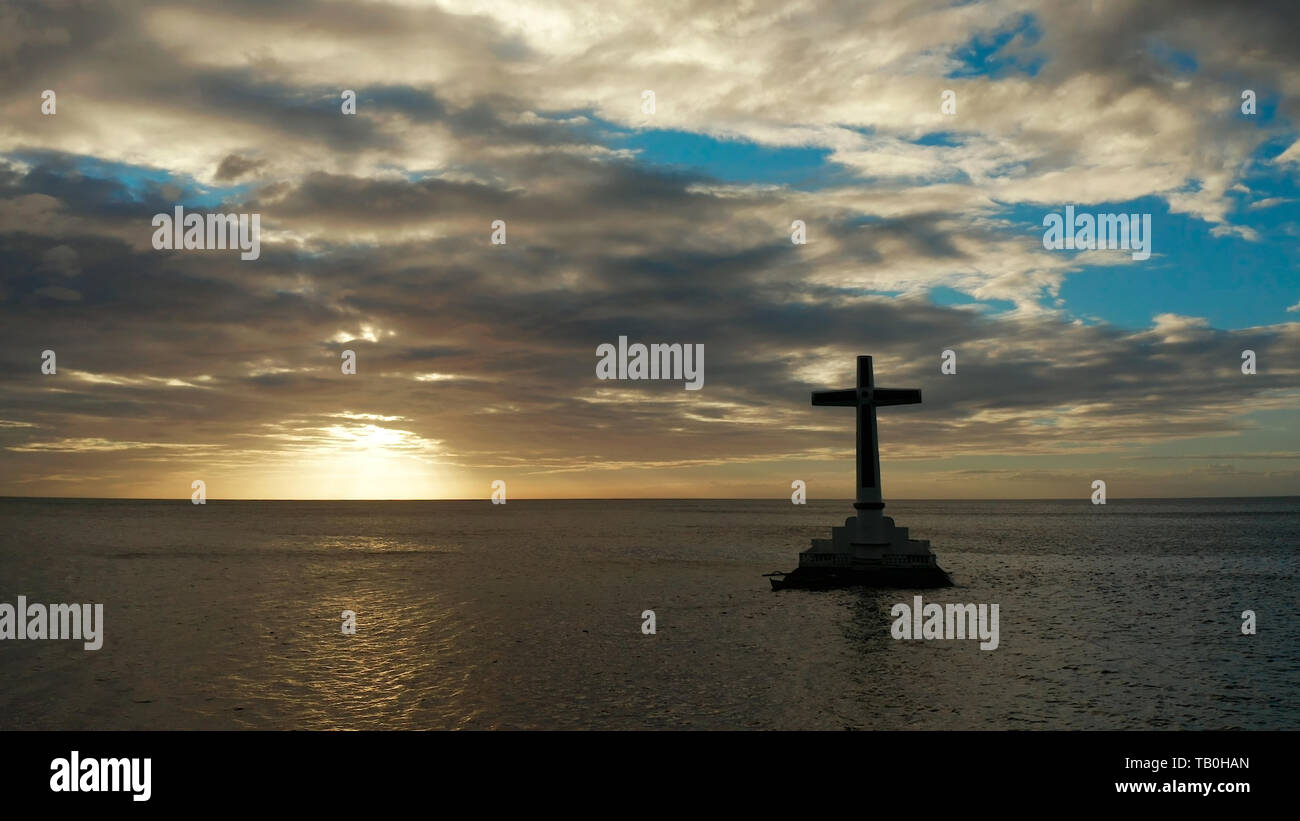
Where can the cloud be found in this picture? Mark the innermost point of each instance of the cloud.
(1269, 202)
(377, 233)
(234, 166)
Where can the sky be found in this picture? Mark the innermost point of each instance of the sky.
(476, 361)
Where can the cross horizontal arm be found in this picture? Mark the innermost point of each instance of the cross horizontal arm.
(896, 396)
(847, 397)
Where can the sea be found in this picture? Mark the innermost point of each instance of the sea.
(533, 615)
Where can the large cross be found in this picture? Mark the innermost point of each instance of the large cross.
(866, 397)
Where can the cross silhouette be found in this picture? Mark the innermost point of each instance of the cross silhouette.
(866, 397)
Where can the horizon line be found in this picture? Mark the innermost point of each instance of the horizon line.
(5, 497)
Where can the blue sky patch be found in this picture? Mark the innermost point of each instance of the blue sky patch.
(982, 55)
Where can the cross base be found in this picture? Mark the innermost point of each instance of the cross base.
(868, 550)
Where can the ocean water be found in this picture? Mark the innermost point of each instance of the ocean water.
(529, 615)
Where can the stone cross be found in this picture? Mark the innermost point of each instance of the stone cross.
(866, 397)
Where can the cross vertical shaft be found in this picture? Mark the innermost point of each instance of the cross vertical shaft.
(866, 397)
(868, 439)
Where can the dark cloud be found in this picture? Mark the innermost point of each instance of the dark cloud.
(198, 358)
(234, 167)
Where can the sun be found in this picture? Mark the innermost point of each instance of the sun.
(365, 459)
